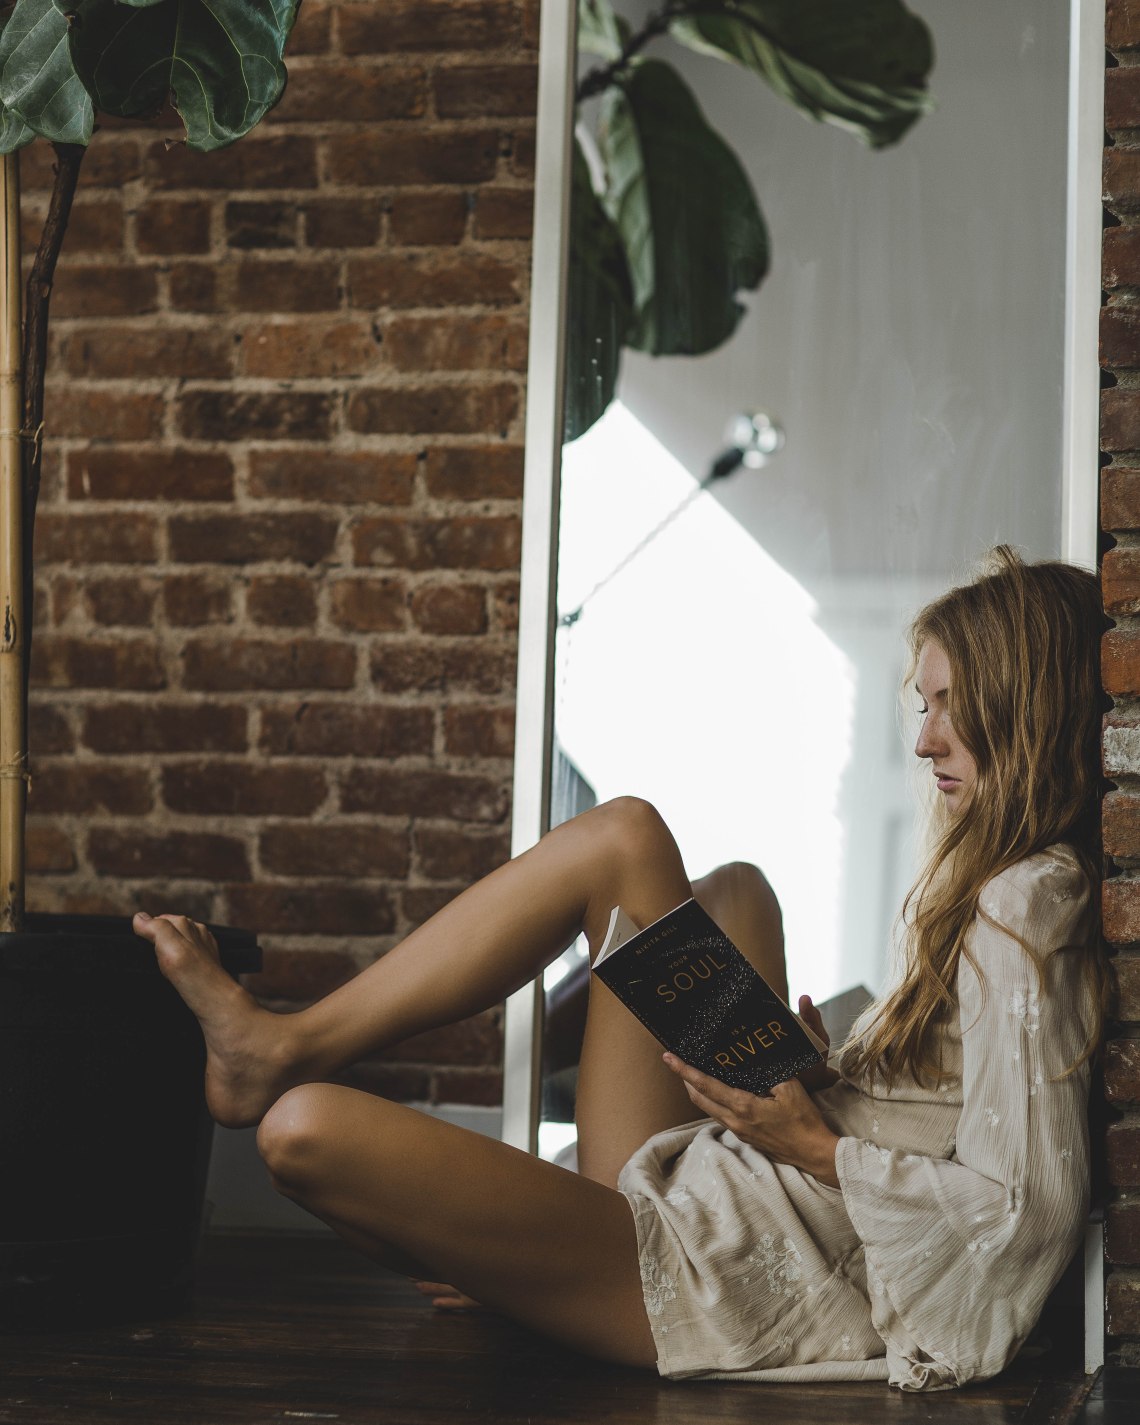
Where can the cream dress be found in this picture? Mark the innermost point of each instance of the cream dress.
(960, 1205)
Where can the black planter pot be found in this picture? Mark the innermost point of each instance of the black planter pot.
(104, 1134)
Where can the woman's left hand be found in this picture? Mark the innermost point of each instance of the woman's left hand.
(785, 1124)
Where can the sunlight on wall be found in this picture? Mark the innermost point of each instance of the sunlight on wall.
(699, 680)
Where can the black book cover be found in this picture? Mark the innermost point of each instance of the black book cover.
(697, 994)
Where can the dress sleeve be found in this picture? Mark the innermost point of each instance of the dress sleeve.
(962, 1252)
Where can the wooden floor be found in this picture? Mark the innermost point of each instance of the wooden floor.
(298, 1328)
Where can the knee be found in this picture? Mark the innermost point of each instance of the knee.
(630, 824)
(740, 888)
(289, 1136)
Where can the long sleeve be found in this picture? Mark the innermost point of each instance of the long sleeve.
(962, 1252)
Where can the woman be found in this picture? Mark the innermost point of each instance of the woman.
(904, 1217)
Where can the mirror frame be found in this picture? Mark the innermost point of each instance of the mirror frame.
(1080, 439)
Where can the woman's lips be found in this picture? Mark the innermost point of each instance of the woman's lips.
(947, 784)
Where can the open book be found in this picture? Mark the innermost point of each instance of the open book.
(697, 994)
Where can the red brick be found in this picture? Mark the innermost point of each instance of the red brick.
(1122, 1071)
(355, 93)
(346, 730)
(177, 855)
(1126, 966)
(460, 855)
(283, 350)
(1119, 337)
(1121, 824)
(62, 662)
(1122, 1150)
(96, 538)
(486, 90)
(481, 1087)
(333, 477)
(108, 163)
(442, 408)
(450, 609)
(246, 663)
(161, 473)
(504, 213)
(532, 10)
(1122, 1305)
(84, 787)
(282, 601)
(433, 278)
(194, 287)
(144, 352)
(399, 667)
(1122, 24)
(1120, 498)
(128, 602)
(505, 606)
(478, 472)
(133, 728)
(1122, 1239)
(493, 342)
(239, 789)
(1122, 98)
(233, 415)
(275, 161)
(1120, 906)
(246, 539)
(300, 975)
(319, 849)
(49, 851)
(266, 224)
(521, 153)
(286, 285)
(103, 290)
(101, 415)
(428, 25)
(1120, 661)
(311, 910)
(419, 219)
(479, 732)
(369, 605)
(342, 222)
(1120, 580)
(48, 728)
(167, 227)
(89, 899)
(191, 600)
(458, 796)
(312, 30)
(463, 542)
(94, 226)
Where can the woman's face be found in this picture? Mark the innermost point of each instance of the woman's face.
(951, 764)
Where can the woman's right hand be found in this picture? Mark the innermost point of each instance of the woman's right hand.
(819, 1076)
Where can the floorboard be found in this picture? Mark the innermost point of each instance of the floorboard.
(296, 1329)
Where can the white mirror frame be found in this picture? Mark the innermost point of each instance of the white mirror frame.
(542, 480)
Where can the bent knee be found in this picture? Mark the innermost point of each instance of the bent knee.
(740, 888)
(634, 824)
(289, 1136)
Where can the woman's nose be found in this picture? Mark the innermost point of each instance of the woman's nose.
(927, 744)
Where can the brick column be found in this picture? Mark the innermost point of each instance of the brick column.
(1120, 518)
(279, 535)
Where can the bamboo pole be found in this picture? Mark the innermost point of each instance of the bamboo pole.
(13, 718)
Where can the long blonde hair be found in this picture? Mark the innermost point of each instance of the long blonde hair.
(1025, 697)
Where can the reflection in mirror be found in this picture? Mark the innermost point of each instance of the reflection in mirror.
(740, 668)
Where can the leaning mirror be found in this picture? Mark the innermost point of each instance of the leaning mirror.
(864, 245)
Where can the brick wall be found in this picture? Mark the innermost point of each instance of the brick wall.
(278, 540)
(1120, 518)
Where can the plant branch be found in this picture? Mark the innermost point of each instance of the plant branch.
(36, 303)
(595, 81)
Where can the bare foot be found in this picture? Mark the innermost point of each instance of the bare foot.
(248, 1060)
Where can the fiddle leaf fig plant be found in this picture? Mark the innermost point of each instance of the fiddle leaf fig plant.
(672, 204)
(219, 65)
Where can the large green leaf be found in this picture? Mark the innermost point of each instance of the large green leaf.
(600, 31)
(599, 305)
(860, 65)
(692, 231)
(219, 61)
(40, 91)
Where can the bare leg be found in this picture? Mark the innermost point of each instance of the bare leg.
(625, 1093)
(486, 943)
(551, 1249)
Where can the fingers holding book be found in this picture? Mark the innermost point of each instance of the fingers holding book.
(784, 1123)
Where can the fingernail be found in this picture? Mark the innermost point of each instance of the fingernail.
(141, 915)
